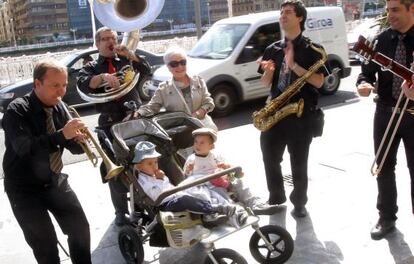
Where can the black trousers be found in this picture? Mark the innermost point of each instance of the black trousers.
(118, 197)
(387, 189)
(294, 135)
(31, 211)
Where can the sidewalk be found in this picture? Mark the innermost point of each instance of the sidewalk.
(342, 195)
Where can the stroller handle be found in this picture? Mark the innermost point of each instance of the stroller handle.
(199, 181)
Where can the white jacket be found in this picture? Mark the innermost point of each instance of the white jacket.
(167, 96)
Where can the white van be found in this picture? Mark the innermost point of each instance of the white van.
(225, 57)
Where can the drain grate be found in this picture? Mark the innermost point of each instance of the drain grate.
(288, 179)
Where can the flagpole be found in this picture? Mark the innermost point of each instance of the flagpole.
(93, 21)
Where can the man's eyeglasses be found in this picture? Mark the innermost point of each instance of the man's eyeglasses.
(174, 64)
(108, 38)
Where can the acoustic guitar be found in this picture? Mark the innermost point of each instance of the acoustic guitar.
(367, 50)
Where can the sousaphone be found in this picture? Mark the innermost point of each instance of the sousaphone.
(128, 16)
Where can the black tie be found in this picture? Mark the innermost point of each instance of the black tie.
(55, 158)
(400, 57)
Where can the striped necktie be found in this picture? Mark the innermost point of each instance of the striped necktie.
(55, 158)
(400, 57)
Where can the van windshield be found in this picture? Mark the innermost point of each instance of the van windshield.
(219, 41)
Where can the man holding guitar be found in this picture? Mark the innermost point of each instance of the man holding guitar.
(409, 89)
(397, 43)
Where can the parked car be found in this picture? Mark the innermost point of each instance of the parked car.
(75, 62)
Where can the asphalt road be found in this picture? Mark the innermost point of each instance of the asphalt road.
(241, 115)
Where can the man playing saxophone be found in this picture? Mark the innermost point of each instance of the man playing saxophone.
(284, 62)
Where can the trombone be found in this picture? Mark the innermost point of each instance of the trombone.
(375, 170)
(112, 169)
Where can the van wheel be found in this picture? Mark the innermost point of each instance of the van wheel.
(332, 81)
(224, 100)
(143, 88)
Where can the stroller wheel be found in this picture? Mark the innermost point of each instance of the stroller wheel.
(225, 255)
(281, 241)
(130, 245)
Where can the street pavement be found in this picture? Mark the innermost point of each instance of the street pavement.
(342, 195)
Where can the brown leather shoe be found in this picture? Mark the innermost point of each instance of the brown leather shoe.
(382, 228)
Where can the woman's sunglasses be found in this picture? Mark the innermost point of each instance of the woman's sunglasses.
(175, 64)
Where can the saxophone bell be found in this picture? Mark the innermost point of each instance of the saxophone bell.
(279, 107)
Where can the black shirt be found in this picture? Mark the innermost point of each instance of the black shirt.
(305, 57)
(387, 44)
(115, 108)
(28, 144)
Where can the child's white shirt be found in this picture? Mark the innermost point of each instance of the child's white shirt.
(153, 187)
(203, 165)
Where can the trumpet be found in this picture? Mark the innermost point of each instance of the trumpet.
(112, 169)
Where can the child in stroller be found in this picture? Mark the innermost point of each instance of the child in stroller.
(153, 181)
(268, 244)
(205, 161)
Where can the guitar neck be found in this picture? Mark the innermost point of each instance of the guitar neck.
(393, 66)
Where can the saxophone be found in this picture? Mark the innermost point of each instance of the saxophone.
(278, 108)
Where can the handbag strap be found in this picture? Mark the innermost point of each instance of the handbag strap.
(180, 94)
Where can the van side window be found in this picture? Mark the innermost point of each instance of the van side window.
(261, 38)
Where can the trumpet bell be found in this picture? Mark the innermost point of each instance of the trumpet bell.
(127, 15)
(113, 171)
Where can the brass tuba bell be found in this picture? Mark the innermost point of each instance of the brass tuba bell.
(127, 15)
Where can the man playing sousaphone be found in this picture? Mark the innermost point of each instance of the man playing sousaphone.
(92, 79)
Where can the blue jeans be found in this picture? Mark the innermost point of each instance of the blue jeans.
(187, 203)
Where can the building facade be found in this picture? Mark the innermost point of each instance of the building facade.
(172, 17)
(219, 9)
(7, 37)
(244, 7)
(79, 19)
(34, 21)
(39, 20)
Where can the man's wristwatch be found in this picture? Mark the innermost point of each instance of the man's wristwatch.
(130, 55)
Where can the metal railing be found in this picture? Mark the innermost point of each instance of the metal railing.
(13, 69)
(90, 41)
